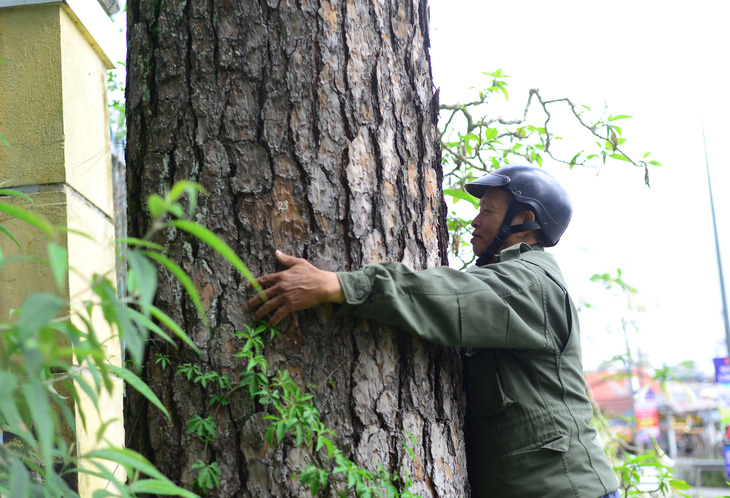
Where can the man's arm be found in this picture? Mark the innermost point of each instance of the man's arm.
(440, 305)
(301, 287)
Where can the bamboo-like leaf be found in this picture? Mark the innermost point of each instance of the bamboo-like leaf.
(107, 475)
(174, 327)
(192, 189)
(36, 312)
(132, 241)
(3, 139)
(88, 389)
(218, 245)
(15, 193)
(58, 257)
(156, 205)
(7, 232)
(150, 325)
(142, 279)
(40, 411)
(65, 229)
(25, 215)
(129, 459)
(137, 383)
(184, 279)
(157, 487)
(19, 480)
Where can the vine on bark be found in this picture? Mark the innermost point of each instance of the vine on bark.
(294, 419)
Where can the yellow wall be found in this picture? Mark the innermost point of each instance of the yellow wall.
(86, 115)
(31, 104)
(53, 111)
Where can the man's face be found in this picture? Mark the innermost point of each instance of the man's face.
(493, 207)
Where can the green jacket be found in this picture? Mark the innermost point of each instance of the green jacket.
(528, 429)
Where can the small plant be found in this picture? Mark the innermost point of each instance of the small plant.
(33, 408)
(293, 418)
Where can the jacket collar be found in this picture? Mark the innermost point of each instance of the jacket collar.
(515, 251)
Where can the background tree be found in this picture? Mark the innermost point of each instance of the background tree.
(313, 128)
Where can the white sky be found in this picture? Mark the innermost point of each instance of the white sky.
(664, 63)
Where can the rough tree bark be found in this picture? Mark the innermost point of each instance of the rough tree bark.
(312, 124)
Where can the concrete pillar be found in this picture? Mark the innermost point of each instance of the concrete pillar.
(54, 114)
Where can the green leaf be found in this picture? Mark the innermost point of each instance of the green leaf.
(36, 312)
(131, 241)
(40, 410)
(270, 433)
(646, 155)
(7, 232)
(131, 460)
(655, 163)
(184, 279)
(90, 392)
(174, 327)
(58, 257)
(143, 321)
(15, 193)
(620, 116)
(80, 233)
(24, 215)
(2, 137)
(218, 245)
(157, 205)
(679, 484)
(620, 157)
(142, 279)
(115, 312)
(19, 480)
(159, 487)
(141, 387)
(460, 194)
(209, 476)
(192, 189)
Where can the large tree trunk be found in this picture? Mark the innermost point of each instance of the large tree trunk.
(312, 126)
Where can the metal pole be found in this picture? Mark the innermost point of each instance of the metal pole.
(717, 250)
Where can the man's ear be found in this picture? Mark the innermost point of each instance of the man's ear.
(528, 216)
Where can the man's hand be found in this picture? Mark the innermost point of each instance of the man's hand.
(300, 287)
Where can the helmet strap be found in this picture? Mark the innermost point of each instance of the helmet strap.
(505, 230)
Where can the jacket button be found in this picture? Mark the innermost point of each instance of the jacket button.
(359, 293)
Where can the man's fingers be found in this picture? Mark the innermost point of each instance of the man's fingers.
(287, 260)
(263, 310)
(278, 316)
(260, 297)
(269, 306)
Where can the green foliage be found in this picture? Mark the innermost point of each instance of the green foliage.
(648, 474)
(293, 420)
(208, 477)
(203, 427)
(35, 366)
(610, 281)
(474, 143)
(117, 105)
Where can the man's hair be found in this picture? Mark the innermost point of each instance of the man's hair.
(523, 208)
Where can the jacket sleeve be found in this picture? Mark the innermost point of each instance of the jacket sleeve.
(491, 308)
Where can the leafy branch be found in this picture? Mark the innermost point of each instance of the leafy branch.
(473, 143)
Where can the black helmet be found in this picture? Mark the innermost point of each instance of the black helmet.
(536, 188)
